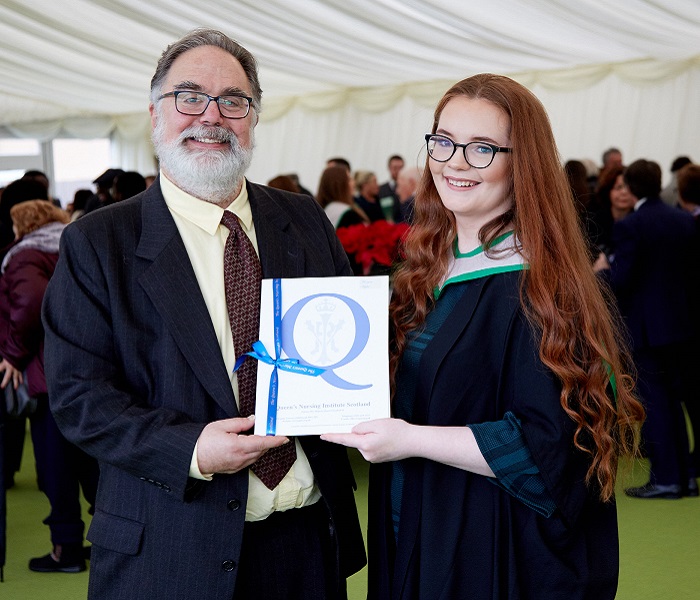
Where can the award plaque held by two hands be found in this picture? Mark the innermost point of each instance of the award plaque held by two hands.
(323, 354)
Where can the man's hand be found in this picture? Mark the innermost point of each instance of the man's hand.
(220, 448)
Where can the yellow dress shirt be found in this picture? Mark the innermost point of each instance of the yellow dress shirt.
(199, 224)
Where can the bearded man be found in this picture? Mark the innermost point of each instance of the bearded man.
(147, 302)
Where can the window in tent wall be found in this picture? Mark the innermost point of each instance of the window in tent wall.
(76, 163)
(17, 156)
(70, 163)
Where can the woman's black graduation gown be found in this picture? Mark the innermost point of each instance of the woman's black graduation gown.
(460, 535)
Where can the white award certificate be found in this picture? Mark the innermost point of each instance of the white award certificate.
(323, 354)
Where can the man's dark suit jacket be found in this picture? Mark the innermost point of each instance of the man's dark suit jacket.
(650, 276)
(135, 372)
(649, 273)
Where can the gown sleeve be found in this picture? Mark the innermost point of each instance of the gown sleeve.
(503, 446)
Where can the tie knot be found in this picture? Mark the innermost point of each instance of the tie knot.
(230, 221)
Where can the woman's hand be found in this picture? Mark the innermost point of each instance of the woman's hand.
(11, 374)
(378, 441)
(384, 440)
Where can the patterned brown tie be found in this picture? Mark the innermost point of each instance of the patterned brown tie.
(242, 277)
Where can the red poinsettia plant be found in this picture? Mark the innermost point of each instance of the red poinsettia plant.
(376, 244)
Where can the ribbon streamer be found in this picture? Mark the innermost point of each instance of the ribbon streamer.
(291, 365)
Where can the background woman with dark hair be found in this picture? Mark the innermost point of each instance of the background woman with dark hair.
(335, 195)
(16, 192)
(499, 465)
(584, 200)
(614, 203)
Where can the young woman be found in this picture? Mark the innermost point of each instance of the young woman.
(512, 401)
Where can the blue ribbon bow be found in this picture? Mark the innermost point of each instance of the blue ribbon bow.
(291, 365)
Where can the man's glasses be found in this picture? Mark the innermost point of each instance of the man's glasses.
(478, 154)
(195, 103)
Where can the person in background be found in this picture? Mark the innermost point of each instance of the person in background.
(144, 381)
(62, 469)
(77, 207)
(17, 191)
(335, 195)
(650, 278)
(149, 180)
(43, 179)
(689, 189)
(495, 477)
(689, 199)
(669, 194)
(592, 172)
(103, 195)
(284, 182)
(611, 157)
(583, 198)
(406, 185)
(127, 185)
(302, 190)
(367, 189)
(388, 197)
(578, 182)
(614, 202)
(339, 161)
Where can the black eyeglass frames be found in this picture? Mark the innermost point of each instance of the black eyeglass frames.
(478, 154)
(231, 106)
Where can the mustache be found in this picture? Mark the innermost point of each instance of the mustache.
(220, 134)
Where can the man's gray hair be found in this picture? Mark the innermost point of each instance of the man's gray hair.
(208, 37)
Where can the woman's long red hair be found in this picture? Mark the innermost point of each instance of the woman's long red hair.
(562, 298)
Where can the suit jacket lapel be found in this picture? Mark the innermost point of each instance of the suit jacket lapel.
(279, 250)
(171, 285)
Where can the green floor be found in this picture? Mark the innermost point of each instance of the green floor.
(659, 545)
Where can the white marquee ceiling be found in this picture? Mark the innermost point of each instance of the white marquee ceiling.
(68, 58)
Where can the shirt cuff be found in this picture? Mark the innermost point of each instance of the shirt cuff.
(195, 473)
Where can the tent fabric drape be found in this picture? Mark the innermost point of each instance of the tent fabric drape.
(381, 63)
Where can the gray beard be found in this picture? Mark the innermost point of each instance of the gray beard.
(210, 175)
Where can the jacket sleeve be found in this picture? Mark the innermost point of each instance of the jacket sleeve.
(95, 402)
(26, 278)
(626, 257)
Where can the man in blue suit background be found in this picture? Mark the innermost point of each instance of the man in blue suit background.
(650, 277)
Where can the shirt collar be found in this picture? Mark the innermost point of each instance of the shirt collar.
(205, 215)
(639, 203)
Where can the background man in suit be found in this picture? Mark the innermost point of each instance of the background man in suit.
(143, 378)
(689, 199)
(649, 278)
(387, 191)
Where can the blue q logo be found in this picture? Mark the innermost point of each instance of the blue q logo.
(324, 330)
